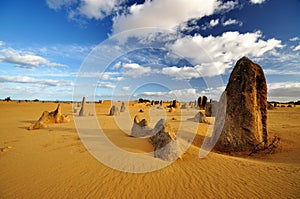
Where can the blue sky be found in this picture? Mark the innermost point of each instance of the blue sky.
(159, 49)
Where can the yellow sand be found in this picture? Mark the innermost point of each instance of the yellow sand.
(53, 163)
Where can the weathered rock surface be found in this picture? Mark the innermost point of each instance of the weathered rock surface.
(270, 106)
(164, 142)
(82, 110)
(183, 106)
(200, 117)
(114, 111)
(122, 109)
(50, 117)
(199, 102)
(140, 127)
(204, 100)
(211, 109)
(246, 112)
(174, 104)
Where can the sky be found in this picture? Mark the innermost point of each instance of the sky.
(159, 49)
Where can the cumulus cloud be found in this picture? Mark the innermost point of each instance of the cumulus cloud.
(297, 48)
(57, 4)
(90, 9)
(181, 95)
(106, 85)
(282, 71)
(294, 39)
(284, 91)
(232, 22)
(116, 65)
(97, 9)
(214, 22)
(167, 14)
(213, 55)
(135, 70)
(25, 59)
(257, 1)
(30, 80)
(189, 72)
(111, 76)
(126, 88)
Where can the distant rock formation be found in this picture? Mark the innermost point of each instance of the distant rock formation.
(199, 102)
(270, 106)
(246, 112)
(50, 117)
(83, 107)
(140, 127)
(204, 100)
(164, 142)
(122, 109)
(171, 110)
(211, 109)
(183, 106)
(200, 117)
(174, 104)
(114, 111)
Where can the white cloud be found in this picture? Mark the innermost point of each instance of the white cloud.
(2, 43)
(126, 88)
(214, 22)
(97, 9)
(294, 39)
(111, 76)
(282, 71)
(167, 14)
(189, 72)
(181, 95)
(117, 65)
(91, 9)
(213, 55)
(232, 22)
(213, 93)
(227, 6)
(30, 80)
(284, 91)
(257, 1)
(106, 85)
(188, 94)
(211, 24)
(297, 48)
(25, 59)
(135, 70)
(57, 4)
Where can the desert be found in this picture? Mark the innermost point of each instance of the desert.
(149, 99)
(53, 162)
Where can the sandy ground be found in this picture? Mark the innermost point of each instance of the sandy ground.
(53, 163)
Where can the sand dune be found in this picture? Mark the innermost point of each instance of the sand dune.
(53, 163)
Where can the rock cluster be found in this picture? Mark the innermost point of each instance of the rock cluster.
(200, 117)
(164, 142)
(140, 127)
(50, 117)
(162, 137)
